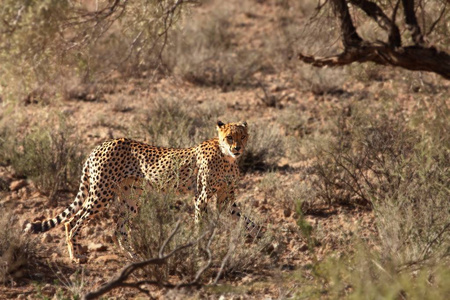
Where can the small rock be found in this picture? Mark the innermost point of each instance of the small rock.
(303, 247)
(47, 238)
(287, 212)
(107, 258)
(107, 239)
(291, 97)
(22, 192)
(91, 230)
(276, 88)
(48, 290)
(17, 184)
(97, 247)
(67, 111)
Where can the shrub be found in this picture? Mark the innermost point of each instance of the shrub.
(156, 219)
(364, 276)
(49, 42)
(383, 164)
(52, 158)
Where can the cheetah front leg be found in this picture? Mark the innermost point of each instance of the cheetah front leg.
(202, 196)
(201, 202)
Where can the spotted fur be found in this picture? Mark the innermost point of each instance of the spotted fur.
(116, 167)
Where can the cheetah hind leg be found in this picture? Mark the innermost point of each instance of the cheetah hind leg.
(74, 225)
(253, 230)
(128, 209)
(75, 250)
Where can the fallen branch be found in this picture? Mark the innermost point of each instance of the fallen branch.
(120, 280)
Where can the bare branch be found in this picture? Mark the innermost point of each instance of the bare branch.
(13, 26)
(161, 250)
(350, 37)
(411, 22)
(225, 259)
(208, 251)
(436, 238)
(120, 280)
(412, 58)
(376, 13)
(416, 58)
(437, 20)
(319, 8)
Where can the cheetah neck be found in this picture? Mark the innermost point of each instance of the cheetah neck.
(226, 153)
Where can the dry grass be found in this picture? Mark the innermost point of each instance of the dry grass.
(265, 148)
(207, 53)
(363, 144)
(17, 252)
(401, 172)
(172, 122)
(230, 246)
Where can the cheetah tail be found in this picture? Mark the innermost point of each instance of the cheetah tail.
(48, 224)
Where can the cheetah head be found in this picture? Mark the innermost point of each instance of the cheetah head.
(232, 138)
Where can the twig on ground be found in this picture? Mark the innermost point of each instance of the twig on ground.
(120, 280)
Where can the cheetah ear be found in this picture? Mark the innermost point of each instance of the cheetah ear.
(220, 124)
(244, 124)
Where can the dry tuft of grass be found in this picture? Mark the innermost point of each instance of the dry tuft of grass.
(265, 148)
(17, 252)
(172, 123)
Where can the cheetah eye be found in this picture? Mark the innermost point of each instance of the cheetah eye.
(243, 137)
(229, 138)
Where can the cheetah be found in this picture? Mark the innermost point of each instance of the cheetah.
(113, 168)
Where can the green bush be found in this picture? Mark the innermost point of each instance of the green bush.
(51, 157)
(48, 43)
